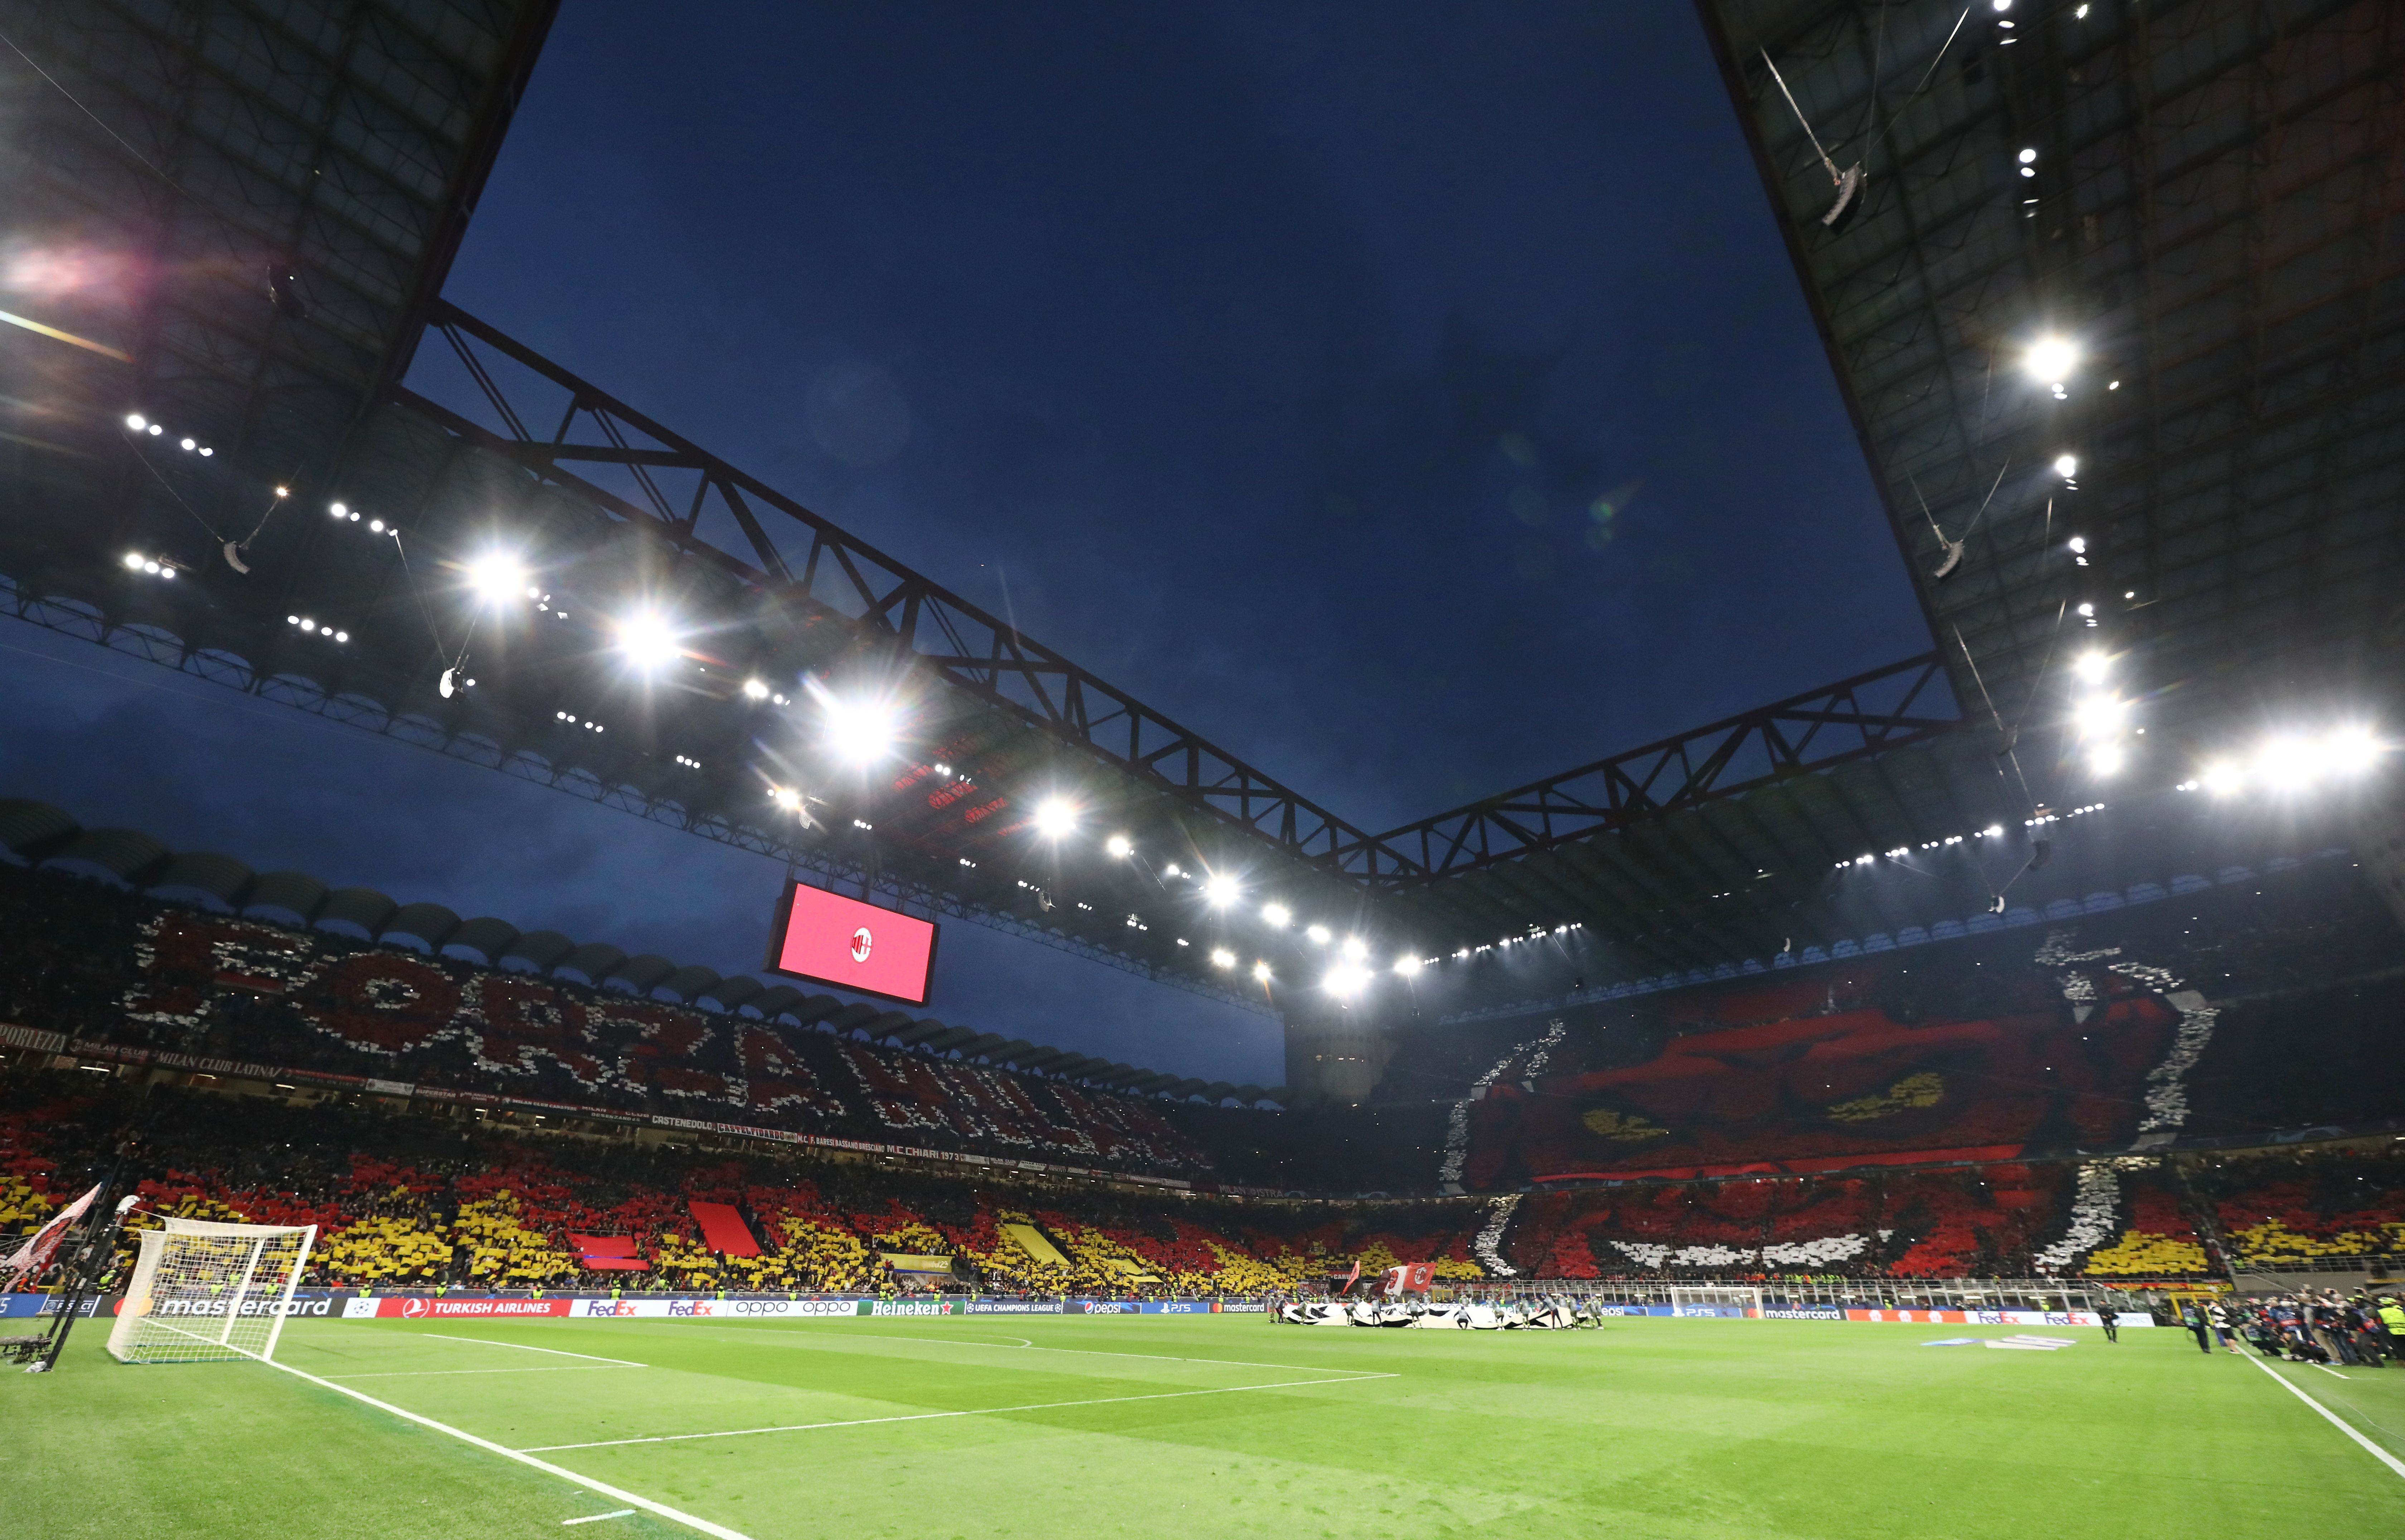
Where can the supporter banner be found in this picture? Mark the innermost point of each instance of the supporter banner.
(33, 1038)
(399, 1015)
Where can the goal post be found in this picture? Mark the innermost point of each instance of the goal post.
(202, 1291)
(1702, 1296)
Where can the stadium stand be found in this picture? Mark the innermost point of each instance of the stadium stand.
(1924, 1113)
(2265, 1002)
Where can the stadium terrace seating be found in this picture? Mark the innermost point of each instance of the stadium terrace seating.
(442, 1201)
(100, 966)
(439, 1200)
(2029, 1042)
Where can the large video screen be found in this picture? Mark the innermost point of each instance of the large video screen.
(853, 945)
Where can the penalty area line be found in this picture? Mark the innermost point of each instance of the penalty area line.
(931, 1417)
(674, 1516)
(528, 1347)
(2335, 1421)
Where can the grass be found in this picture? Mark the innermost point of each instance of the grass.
(1647, 1428)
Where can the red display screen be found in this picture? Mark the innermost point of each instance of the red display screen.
(853, 945)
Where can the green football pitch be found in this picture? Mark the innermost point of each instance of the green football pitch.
(1071, 1427)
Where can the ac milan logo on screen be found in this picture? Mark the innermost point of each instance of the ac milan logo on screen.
(860, 944)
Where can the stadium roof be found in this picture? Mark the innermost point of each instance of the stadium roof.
(2197, 205)
(2232, 487)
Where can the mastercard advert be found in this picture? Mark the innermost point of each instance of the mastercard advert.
(851, 946)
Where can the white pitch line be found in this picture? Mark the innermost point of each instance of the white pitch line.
(545, 1368)
(2332, 1373)
(563, 1352)
(1105, 1352)
(596, 1518)
(2335, 1421)
(674, 1516)
(929, 1417)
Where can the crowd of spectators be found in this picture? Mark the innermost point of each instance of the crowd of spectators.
(2362, 1330)
(438, 1201)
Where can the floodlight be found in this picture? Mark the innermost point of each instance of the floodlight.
(647, 639)
(1355, 948)
(2029, 156)
(1055, 817)
(1276, 914)
(2098, 715)
(1220, 891)
(2086, 609)
(755, 689)
(2221, 778)
(188, 444)
(2050, 358)
(133, 560)
(2066, 466)
(155, 430)
(1345, 979)
(1222, 958)
(1318, 933)
(1993, 831)
(2091, 667)
(1261, 972)
(133, 420)
(496, 576)
(1119, 844)
(2352, 750)
(338, 510)
(2287, 764)
(2078, 544)
(1170, 871)
(1407, 965)
(2106, 761)
(788, 800)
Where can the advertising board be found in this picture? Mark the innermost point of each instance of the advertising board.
(831, 939)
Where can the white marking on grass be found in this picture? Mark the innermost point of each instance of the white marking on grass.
(929, 1417)
(546, 1368)
(528, 1347)
(2332, 1373)
(674, 1516)
(2335, 1421)
(1105, 1352)
(596, 1518)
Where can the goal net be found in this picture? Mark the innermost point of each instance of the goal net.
(204, 1291)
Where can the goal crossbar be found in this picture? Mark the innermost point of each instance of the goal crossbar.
(204, 1291)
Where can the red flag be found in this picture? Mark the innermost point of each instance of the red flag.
(35, 1253)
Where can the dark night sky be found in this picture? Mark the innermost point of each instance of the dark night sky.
(1415, 400)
